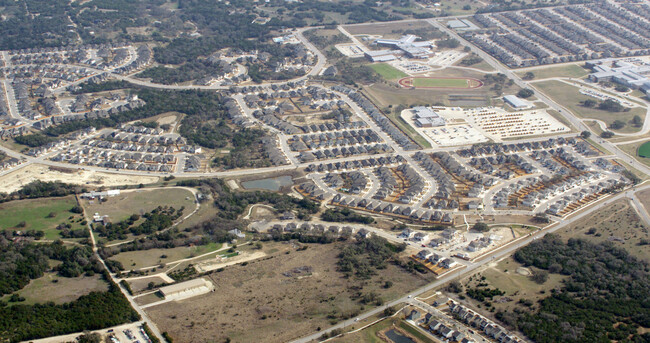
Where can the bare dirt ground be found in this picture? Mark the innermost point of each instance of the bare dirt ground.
(17, 179)
(267, 301)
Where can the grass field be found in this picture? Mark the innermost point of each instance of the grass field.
(153, 257)
(387, 71)
(141, 201)
(429, 82)
(51, 287)
(565, 71)
(570, 97)
(644, 150)
(36, 215)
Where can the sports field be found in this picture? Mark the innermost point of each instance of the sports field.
(644, 150)
(387, 71)
(441, 82)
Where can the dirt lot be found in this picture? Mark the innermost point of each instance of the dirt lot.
(139, 285)
(15, 180)
(618, 224)
(279, 308)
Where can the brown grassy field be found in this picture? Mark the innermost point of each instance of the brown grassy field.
(140, 201)
(618, 224)
(257, 303)
(44, 289)
(386, 29)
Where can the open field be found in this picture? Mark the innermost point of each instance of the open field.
(20, 177)
(367, 335)
(564, 71)
(154, 257)
(507, 276)
(278, 307)
(634, 150)
(51, 287)
(387, 71)
(141, 201)
(618, 224)
(387, 30)
(36, 215)
(570, 97)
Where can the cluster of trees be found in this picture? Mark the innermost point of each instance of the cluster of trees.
(345, 215)
(190, 70)
(160, 218)
(481, 294)
(20, 29)
(449, 43)
(232, 204)
(93, 311)
(498, 81)
(41, 189)
(471, 60)
(247, 151)
(525, 93)
(354, 73)
(364, 257)
(23, 262)
(607, 105)
(605, 297)
(34, 140)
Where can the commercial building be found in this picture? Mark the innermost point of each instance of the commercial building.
(621, 71)
(516, 102)
(186, 289)
(408, 46)
(426, 117)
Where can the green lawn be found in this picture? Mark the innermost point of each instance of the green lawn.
(387, 71)
(36, 215)
(566, 71)
(415, 332)
(440, 82)
(570, 97)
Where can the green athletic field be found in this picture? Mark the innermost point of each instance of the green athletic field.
(387, 71)
(428, 82)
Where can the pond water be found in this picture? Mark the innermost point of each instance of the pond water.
(397, 337)
(271, 184)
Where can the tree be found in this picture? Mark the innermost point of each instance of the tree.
(607, 134)
(611, 106)
(481, 227)
(541, 217)
(621, 88)
(589, 103)
(525, 93)
(539, 276)
(617, 125)
(585, 134)
(89, 337)
(467, 8)
(529, 76)
(637, 121)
